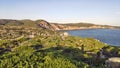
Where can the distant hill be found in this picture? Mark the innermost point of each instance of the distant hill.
(51, 26)
(26, 23)
(10, 22)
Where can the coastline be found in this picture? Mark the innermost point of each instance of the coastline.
(70, 32)
(84, 29)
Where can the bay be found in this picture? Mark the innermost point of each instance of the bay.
(109, 36)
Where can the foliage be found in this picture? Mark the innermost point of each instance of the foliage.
(48, 49)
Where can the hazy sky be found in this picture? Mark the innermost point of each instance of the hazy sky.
(63, 11)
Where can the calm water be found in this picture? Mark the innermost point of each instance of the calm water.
(109, 36)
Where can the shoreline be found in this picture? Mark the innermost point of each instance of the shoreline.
(85, 29)
(92, 37)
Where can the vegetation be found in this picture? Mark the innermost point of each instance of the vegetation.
(81, 24)
(30, 47)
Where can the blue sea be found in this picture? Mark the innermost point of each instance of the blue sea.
(109, 36)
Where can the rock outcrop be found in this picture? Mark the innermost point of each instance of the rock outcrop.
(44, 24)
(113, 62)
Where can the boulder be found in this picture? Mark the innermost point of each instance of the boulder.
(113, 62)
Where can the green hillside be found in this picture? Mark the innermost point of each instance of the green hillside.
(30, 47)
(34, 44)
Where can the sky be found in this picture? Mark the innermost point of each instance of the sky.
(105, 12)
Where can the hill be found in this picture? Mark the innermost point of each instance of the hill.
(27, 23)
(30, 47)
(51, 26)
